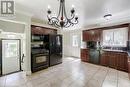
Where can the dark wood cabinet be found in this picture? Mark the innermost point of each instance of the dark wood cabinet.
(104, 59)
(42, 30)
(122, 62)
(85, 55)
(116, 60)
(91, 35)
(129, 65)
(113, 60)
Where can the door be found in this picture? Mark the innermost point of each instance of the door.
(10, 56)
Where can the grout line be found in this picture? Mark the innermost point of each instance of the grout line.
(93, 75)
(5, 81)
(117, 78)
(105, 76)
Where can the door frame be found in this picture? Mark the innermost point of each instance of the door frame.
(20, 67)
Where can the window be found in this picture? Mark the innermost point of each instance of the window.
(115, 37)
(75, 41)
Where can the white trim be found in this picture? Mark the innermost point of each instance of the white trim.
(43, 25)
(28, 73)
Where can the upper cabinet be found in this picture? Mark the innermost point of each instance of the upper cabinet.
(42, 30)
(92, 35)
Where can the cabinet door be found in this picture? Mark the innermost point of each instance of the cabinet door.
(85, 55)
(129, 66)
(104, 59)
(84, 35)
(122, 62)
(92, 35)
(112, 60)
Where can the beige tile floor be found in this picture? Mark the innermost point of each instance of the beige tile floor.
(71, 73)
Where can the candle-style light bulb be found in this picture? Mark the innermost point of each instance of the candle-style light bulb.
(49, 7)
(73, 6)
(76, 14)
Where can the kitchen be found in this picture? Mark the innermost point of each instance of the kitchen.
(65, 43)
(102, 48)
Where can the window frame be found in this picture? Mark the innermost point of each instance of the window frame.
(114, 31)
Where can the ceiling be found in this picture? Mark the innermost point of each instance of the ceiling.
(86, 9)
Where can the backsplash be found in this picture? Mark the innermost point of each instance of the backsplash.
(116, 48)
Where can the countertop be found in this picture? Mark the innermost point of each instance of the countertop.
(121, 51)
(110, 50)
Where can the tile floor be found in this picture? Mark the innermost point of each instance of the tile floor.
(71, 73)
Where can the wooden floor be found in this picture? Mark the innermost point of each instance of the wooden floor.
(71, 73)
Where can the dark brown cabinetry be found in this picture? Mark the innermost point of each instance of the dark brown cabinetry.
(104, 59)
(85, 55)
(129, 66)
(115, 60)
(122, 62)
(42, 30)
(91, 35)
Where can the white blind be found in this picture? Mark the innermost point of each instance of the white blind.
(115, 37)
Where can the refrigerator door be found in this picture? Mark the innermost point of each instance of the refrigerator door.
(0, 57)
(55, 49)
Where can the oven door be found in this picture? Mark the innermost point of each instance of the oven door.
(39, 60)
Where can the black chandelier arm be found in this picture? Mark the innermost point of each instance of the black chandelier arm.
(65, 11)
(53, 19)
(72, 15)
(74, 22)
(56, 24)
(70, 19)
(68, 25)
(59, 10)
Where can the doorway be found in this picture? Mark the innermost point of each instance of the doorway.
(10, 56)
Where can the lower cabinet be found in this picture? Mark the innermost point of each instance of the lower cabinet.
(129, 66)
(104, 59)
(85, 55)
(114, 60)
(122, 62)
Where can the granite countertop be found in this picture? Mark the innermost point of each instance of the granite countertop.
(128, 52)
(114, 50)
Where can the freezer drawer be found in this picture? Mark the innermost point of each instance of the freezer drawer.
(55, 59)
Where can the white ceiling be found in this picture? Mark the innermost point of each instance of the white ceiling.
(87, 9)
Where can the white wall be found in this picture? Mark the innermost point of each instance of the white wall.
(26, 20)
(68, 49)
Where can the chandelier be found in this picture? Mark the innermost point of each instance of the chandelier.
(61, 20)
